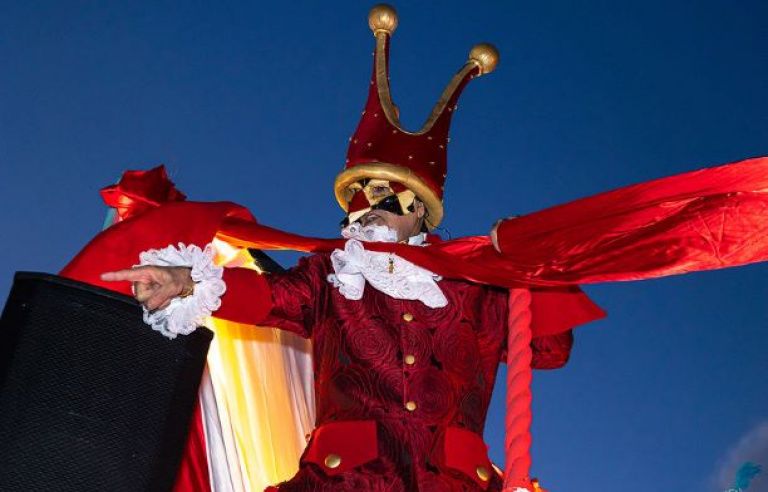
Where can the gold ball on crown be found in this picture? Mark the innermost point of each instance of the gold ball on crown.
(486, 56)
(383, 18)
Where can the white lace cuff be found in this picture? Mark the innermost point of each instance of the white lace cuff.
(184, 315)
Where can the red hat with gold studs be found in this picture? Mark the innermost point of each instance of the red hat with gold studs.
(385, 160)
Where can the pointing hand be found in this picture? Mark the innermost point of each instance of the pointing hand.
(153, 286)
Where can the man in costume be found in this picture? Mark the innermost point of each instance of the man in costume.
(404, 361)
(408, 331)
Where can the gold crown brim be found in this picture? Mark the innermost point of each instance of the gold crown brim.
(390, 172)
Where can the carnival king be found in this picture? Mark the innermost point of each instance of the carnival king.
(407, 330)
(405, 361)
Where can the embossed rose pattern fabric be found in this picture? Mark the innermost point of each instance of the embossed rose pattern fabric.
(413, 369)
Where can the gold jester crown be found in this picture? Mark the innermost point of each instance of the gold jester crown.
(383, 152)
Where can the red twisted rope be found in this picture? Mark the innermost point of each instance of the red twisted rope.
(517, 443)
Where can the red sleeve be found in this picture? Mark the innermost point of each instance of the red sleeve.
(299, 296)
(548, 352)
(289, 300)
(552, 351)
(247, 300)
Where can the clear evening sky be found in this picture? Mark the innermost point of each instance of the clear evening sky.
(253, 102)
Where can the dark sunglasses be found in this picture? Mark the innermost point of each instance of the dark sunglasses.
(388, 204)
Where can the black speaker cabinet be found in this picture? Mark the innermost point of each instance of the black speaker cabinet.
(91, 398)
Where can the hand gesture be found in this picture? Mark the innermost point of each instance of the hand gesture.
(154, 286)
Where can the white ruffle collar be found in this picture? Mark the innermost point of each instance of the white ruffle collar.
(354, 266)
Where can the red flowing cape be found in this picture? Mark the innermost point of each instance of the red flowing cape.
(700, 220)
(556, 309)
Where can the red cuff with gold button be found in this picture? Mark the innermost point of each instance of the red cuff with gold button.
(338, 447)
(466, 452)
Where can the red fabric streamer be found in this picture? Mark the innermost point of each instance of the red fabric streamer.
(558, 309)
(701, 220)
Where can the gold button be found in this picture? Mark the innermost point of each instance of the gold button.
(483, 473)
(408, 317)
(410, 406)
(332, 460)
(410, 359)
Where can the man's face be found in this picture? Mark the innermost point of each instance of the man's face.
(405, 225)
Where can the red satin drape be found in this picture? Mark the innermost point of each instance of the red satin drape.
(193, 473)
(701, 220)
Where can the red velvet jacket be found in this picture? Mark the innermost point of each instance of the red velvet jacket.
(402, 390)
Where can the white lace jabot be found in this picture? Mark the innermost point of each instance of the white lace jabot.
(354, 266)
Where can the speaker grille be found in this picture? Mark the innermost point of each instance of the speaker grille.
(91, 399)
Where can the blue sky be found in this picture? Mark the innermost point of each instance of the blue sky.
(253, 102)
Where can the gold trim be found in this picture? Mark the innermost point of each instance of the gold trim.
(446, 96)
(495, 235)
(390, 172)
(385, 93)
(382, 80)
